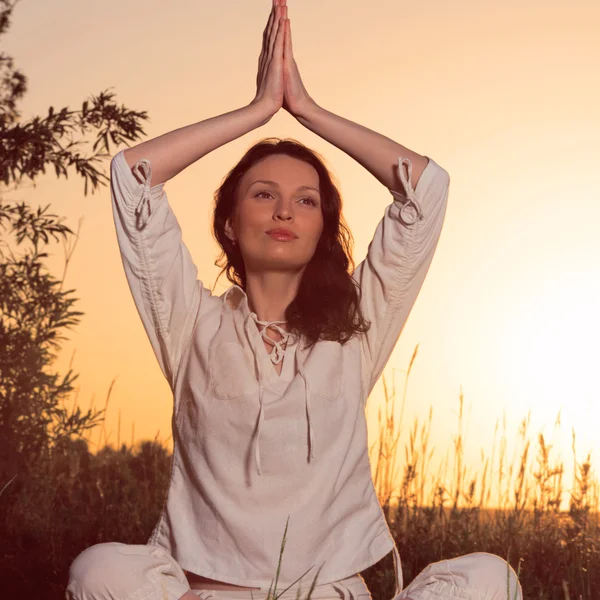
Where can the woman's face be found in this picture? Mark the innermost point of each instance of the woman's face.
(292, 201)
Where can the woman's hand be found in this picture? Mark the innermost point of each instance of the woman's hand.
(269, 79)
(296, 99)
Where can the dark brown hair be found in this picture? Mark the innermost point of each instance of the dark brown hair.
(326, 305)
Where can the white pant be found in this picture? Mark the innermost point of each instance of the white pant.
(115, 571)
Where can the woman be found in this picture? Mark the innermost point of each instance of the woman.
(270, 380)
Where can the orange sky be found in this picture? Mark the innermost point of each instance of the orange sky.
(504, 96)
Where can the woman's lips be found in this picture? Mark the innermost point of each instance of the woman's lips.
(282, 237)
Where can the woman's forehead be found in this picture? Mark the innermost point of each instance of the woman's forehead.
(284, 171)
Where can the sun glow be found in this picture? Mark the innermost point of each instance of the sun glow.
(552, 352)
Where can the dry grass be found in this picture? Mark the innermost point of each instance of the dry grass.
(555, 552)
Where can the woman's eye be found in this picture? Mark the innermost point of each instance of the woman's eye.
(311, 200)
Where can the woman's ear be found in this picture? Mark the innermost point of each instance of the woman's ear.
(229, 230)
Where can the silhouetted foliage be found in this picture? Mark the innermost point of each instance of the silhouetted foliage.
(36, 425)
(34, 309)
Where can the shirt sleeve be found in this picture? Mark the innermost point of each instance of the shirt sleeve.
(399, 255)
(160, 272)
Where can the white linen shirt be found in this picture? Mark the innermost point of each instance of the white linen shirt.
(251, 447)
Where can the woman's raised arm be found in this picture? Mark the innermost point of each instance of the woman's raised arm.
(402, 249)
(172, 152)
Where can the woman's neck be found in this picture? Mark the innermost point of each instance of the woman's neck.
(269, 295)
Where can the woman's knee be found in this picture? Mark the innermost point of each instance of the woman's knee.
(115, 570)
(489, 572)
(477, 575)
(96, 563)
(107, 571)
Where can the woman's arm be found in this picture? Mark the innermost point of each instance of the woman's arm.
(401, 251)
(172, 152)
(377, 153)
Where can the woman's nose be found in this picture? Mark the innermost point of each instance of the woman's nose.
(283, 211)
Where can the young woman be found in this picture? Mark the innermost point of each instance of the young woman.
(270, 380)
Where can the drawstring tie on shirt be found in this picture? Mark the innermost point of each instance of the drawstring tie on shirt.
(145, 174)
(410, 192)
(276, 355)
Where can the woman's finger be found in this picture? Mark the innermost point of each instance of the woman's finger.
(282, 19)
(280, 37)
(288, 37)
(269, 27)
(274, 32)
(262, 59)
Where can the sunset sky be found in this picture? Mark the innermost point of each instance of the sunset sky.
(504, 95)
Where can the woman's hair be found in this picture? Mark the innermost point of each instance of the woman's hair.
(326, 305)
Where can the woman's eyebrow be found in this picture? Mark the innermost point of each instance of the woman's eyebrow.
(302, 187)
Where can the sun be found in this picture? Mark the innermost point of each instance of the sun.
(552, 352)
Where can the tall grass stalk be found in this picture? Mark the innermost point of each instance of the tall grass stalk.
(272, 592)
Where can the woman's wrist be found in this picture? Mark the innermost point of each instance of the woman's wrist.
(307, 113)
(264, 109)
